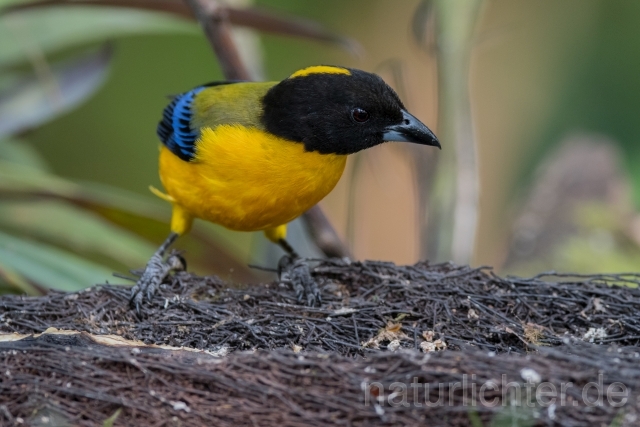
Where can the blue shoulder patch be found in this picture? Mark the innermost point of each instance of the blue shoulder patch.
(175, 130)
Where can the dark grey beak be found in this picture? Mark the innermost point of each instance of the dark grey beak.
(411, 130)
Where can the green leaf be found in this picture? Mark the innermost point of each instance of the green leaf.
(35, 100)
(50, 267)
(50, 29)
(7, 3)
(141, 215)
(257, 18)
(15, 282)
(79, 230)
(9, 78)
(474, 418)
(18, 181)
(21, 153)
(112, 419)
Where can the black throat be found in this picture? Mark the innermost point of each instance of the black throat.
(316, 110)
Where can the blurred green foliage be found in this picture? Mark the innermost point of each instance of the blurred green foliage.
(65, 235)
(602, 92)
(74, 200)
(69, 233)
(600, 243)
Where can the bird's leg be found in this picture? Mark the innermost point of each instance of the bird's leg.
(295, 270)
(288, 249)
(155, 272)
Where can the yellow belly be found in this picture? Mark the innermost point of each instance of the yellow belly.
(248, 180)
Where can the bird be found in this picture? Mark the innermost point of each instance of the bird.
(253, 156)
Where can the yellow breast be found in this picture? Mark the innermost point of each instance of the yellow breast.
(246, 179)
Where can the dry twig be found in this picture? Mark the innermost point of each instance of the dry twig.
(292, 365)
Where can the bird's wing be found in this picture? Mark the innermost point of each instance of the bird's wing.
(175, 129)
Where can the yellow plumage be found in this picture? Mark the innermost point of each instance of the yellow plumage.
(247, 180)
(255, 156)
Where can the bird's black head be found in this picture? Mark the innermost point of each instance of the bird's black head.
(340, 110)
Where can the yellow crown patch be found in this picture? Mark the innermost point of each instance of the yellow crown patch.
(320, 69)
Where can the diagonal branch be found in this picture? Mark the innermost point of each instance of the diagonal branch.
(323, 234)
(215, 23)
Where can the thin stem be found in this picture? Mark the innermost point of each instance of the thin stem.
(323, 234)
(215, 23)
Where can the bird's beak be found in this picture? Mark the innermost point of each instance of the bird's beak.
(411, 130)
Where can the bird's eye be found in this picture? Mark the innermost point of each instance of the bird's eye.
(359, 115)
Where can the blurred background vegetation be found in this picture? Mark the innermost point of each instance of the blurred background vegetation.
(536, 104)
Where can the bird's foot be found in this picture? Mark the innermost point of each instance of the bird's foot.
(296, 271)
(155, 272)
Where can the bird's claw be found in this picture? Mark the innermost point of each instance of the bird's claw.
(155, 272)
(296, 271)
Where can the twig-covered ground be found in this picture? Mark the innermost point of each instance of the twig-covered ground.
(454, 331)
